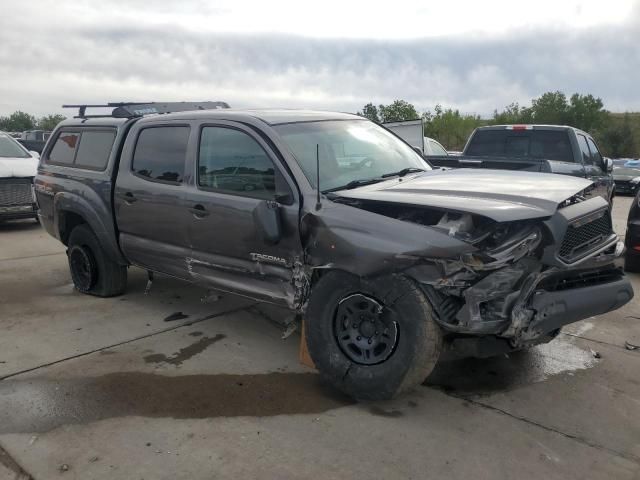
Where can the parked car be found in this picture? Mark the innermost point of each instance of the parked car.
(536, 148)
(632, 238)
(626, 175)
(412, 132)
(18, 167)
(387, 261)
(34, 139)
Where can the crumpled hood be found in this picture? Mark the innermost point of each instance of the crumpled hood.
(18, 167)
(498, 194)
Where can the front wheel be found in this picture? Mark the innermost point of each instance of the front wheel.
(92, 271)
(372, 339)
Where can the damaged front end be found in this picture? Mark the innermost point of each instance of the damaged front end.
(510, 283)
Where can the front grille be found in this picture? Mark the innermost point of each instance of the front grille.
(15, 191)
(581, 237)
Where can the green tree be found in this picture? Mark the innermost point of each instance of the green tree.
(586, 112)
(17, 122)
(370, 111)
(397, 111)
(512, 113)
(551, 108)
(617, 139)
(450, 127)
(49, 122)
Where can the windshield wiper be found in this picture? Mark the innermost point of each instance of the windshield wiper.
(403, 172)
(355, 184)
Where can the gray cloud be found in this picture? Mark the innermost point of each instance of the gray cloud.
(50, 63)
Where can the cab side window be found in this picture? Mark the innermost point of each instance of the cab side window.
(596, 158)
(160, 153)
(230, 161)
(584, 149)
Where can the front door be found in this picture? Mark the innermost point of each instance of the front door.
(150, 206)
(235, 172)
(597, 172)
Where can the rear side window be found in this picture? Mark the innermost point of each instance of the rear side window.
(543, 144)
(87, 148)
(233, 162)
(94, 149)
(64, 150)
(160, 153)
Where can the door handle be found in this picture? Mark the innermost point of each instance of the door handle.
(128, 198)
(199, 211)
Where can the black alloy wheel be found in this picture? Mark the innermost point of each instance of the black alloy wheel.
(364, 330)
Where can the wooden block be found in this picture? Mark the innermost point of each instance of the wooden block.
(304, 356)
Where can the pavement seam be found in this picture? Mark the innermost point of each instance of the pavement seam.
(576, 438)
(170, 329)
(31, 256)
(601, 342)
(8, 461)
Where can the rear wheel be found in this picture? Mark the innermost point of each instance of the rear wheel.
(92, 271)
(372, 339)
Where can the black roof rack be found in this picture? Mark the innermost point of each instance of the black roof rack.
(138, 109)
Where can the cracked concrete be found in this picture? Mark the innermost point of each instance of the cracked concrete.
(225, 396)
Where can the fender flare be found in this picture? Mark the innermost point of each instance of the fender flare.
(99, 222)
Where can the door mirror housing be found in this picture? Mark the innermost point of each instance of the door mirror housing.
(608, 164)
(34, 154)
(267, 218)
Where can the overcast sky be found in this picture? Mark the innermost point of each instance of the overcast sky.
(330, 54)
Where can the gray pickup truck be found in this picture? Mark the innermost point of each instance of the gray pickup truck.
(535, 148)
(332, 216)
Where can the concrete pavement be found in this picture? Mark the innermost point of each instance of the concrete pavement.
(168, 386)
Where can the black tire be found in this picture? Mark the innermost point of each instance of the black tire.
(91, 270)
(416, 349)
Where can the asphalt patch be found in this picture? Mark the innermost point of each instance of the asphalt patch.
(184, 353)
(39, 405)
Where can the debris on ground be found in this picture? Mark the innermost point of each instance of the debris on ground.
(176, 316)
(289, 330)
(94, 459)
(596, 354)
(631, 346)
(33, 439)
(64, 467)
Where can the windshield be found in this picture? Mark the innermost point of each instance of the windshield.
(10, 148)
(349, 151)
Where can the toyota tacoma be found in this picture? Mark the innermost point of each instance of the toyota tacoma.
(387, 262)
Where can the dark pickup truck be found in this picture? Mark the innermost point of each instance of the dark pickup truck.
(337, 219)
(535, 148)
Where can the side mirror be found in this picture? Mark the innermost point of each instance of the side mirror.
(608, 164)
(267, 218)
(34, 154)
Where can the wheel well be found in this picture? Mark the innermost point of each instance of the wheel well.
(68, 221)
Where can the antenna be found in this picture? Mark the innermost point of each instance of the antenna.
(318, 204)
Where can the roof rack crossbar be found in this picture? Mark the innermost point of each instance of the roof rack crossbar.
(138, 109)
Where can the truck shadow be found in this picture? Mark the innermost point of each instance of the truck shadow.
(472, 376)
(19, 225)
